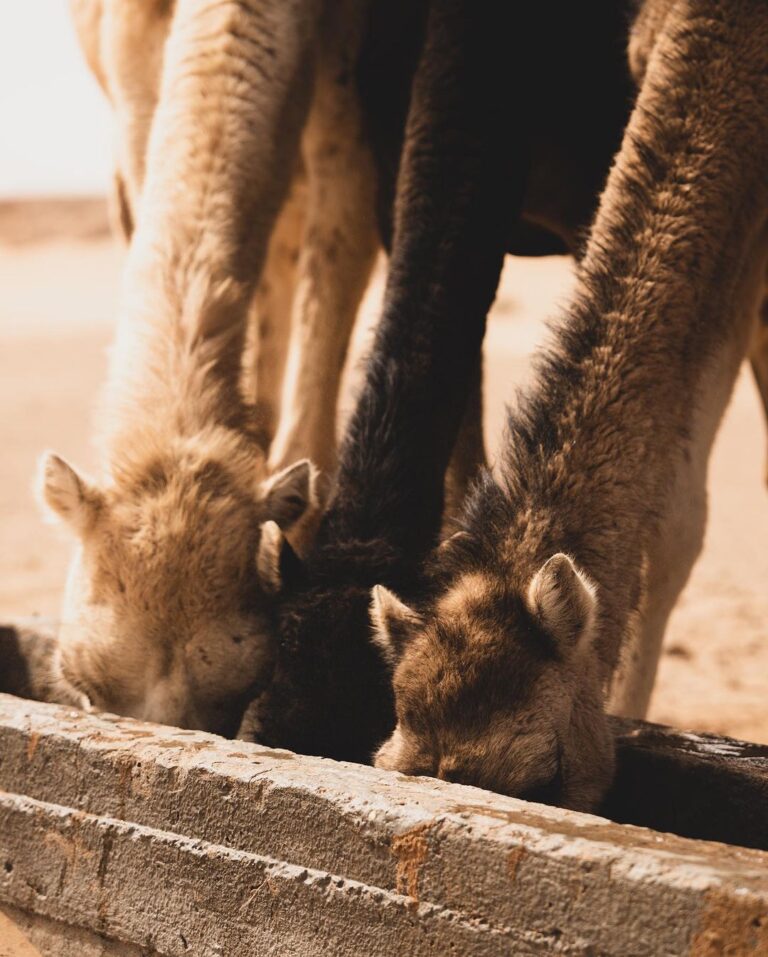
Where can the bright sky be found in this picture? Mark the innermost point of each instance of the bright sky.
(54, 123)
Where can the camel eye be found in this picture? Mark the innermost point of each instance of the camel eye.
(237, 639)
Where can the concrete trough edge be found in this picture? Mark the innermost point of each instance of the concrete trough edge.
(194, 844)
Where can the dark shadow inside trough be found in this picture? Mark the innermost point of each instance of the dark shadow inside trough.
(695, 785)
(700, 786)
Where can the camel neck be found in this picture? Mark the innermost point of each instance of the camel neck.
(662, 308)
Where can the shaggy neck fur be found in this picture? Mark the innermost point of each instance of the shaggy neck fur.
(219, 159)
(175, 376)
(591, 452)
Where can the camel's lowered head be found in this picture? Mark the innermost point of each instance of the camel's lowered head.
(497, 686)
(166, 613)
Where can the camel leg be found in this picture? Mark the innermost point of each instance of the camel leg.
(338, 251)
(668, 567)
(468, 456)
(682, 526)
(132, 44)
(270, 317)
(758, 355)
(122, 42)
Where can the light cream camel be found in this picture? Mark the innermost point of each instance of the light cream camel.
(163, 615)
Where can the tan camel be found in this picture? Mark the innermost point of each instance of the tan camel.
(163, 616)
(501, 675)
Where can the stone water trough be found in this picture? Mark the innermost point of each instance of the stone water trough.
(124, 838)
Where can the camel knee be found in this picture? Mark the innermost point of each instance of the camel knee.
(120, 210)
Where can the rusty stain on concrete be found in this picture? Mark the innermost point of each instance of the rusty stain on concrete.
(125, 767)
(513, 861)
(274, 754)
(32, 743)
(410, 849)
(731, 929)
(317, 844)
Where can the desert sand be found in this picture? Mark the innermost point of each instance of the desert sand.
(59, 275)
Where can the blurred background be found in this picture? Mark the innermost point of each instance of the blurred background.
(55, 123)
(59, 272)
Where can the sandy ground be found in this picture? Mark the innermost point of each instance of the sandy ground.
(58, 279)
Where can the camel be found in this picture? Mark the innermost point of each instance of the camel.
(491, 163)
(501, 669)
(140, 54)
(164, 615)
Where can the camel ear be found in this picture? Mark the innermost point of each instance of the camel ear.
(67, 496)
(277, 564)
(564, 600)
(392, 622)
(290, 494)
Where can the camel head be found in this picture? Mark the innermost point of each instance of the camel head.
(167, 606)
(498, 687)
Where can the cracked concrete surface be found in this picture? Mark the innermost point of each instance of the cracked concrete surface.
(137, 839)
